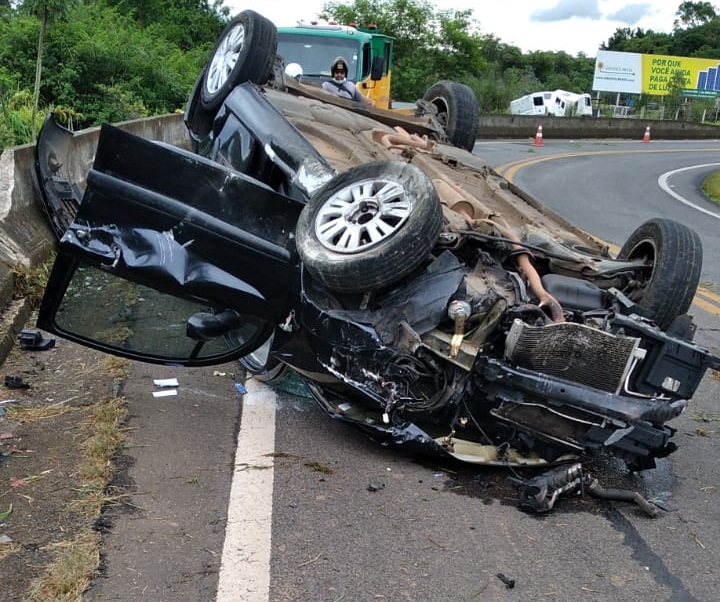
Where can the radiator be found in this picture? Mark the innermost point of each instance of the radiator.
(573, 352)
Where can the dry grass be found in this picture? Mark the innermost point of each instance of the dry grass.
(115, 367)
(98, 450)
(33, 414)
(70, 575)
(9, 549)
(77, 561)
(30, 282)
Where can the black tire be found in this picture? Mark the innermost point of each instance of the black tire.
(369, 227)
(244, 52)
(675, 255)
(198, 119)
(458, 111)
(262, 366)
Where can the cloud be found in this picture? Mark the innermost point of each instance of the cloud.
(567, 9)
(631, 13)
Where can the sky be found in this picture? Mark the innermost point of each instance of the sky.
(570, 25)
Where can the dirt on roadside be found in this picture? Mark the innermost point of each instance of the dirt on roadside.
(47, 399)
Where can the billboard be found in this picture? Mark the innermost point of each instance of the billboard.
(652, 73)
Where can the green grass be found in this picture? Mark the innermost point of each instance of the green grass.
(711, 187)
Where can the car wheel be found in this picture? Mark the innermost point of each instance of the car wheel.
(245, 52)
(198, 119)
(263, 367)
(457, 111)
(674, 253)
(369, 227)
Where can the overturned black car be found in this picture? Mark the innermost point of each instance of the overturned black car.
(397, 276)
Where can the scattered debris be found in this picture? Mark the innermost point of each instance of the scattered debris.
(697, 540)
(540, 493)
(662, 501)
(665, 505)
(165, 383)
(509, 583)
(375, 486)
(165, 393)
(15, 382)
(32, 340)
(5, 539)
(4, 515)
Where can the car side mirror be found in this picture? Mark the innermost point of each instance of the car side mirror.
(206, 326)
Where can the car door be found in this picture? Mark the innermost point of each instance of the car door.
(172, 258)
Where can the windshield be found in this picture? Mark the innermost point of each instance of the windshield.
(315, 54)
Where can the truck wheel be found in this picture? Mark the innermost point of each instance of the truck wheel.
(674, 255)
(244, 52)
(458, 111)
(369, 227)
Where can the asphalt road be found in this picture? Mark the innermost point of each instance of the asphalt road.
(608, 188)
(350, 520)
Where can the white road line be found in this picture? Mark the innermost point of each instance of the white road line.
(663, 183)
(245, 567)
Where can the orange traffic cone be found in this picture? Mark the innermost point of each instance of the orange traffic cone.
(646, 135)
(538, 137)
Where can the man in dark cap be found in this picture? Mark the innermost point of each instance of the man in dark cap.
(343, 87)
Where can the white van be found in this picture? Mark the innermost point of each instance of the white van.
(559, 103)
(531, 104)
(568, 104)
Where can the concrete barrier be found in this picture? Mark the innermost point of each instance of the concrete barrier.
(26, 239)
(525, 126)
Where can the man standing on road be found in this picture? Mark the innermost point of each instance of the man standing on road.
(343, 87)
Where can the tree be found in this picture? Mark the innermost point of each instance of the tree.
(186, 23)
(693, 14)
(45, 9)
(644, 42)
(701, 41)
(429, 45)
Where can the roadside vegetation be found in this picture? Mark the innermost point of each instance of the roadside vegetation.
(112, 60)
(92, 423)
(76, 558)
(58, 450)
(711, 187)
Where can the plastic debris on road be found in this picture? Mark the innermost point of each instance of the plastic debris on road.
(32, 340)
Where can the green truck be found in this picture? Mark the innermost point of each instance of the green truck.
(369, 54)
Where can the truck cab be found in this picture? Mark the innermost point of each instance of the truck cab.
(315, 46)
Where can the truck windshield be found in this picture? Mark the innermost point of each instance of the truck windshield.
(315, 54)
